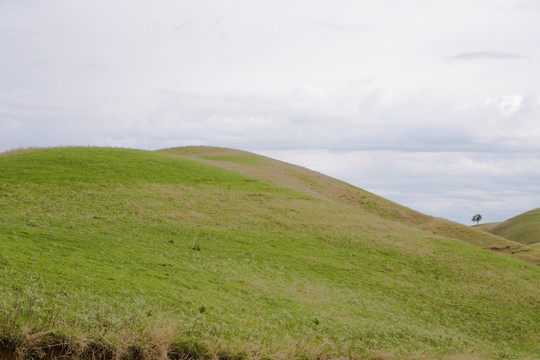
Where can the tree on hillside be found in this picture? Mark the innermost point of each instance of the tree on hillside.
(477, 218)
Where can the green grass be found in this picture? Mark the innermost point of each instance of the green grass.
(339, 193)
(486, 226)
(136, 252)
(524, 228)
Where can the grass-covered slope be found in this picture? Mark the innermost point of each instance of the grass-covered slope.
(486, 226)
(342, 194)
(107, 253)
(524, 228)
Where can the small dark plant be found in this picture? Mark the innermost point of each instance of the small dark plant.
(202, 310)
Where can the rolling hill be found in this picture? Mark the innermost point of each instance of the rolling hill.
(524, 228)
(326, 188)
(202, 252)
(486, 226)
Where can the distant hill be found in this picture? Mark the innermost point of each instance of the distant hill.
(524, 228)
(486, 226)
(211, 253)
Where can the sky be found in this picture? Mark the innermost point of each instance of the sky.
(432, 104)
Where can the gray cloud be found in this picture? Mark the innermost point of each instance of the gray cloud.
(15, 31)
(291, 121)
(493, 55)
(528, 5)
(339, 26)
(182, 26)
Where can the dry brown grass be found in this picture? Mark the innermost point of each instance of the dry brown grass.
(156, 342)
(159, 345)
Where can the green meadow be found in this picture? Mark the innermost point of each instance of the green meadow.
(208, 253)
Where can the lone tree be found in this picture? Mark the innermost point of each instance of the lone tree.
(477, 218)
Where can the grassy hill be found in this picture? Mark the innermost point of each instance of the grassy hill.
(524, 228)
(214, 253)
(342, 194)
(486, 226)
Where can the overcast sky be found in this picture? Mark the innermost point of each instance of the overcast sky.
(432, 104)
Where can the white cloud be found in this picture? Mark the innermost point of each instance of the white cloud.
(508, 104)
